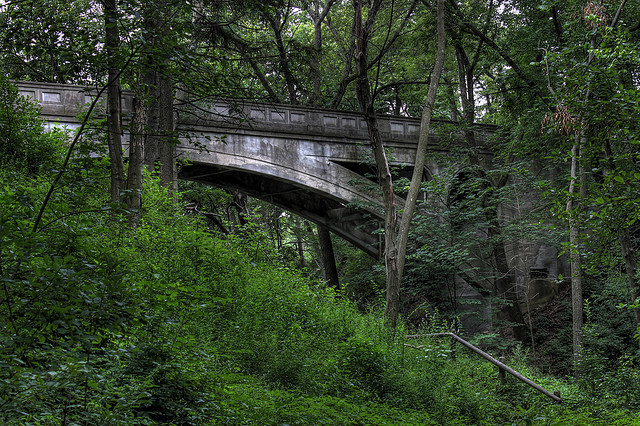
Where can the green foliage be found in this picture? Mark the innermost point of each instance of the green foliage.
(64, 304)
(363, 279)
(249, 402)
(50, 41)
(578, 406)
(169, 324)
(609, 369)
(365, 366)
(171, 395)
(24, 146)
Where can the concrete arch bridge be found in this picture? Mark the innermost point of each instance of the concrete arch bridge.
(312, 162)
(309, 161)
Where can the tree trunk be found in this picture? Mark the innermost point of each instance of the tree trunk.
(347, 78)
(363, 92)
(344, 83)
(317, 15)
(289, 77)
(240, 204)
(504, 281)
(576, 273)
(167, 147)
(136, 156)
(114, 131)
(316, 73)
(152, 114)
(302, 264)
(504, 286)
(273, 96)
(151, 91)
(423, 142)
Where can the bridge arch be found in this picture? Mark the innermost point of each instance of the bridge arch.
(294, 191)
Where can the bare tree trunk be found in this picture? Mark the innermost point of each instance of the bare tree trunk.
(344, 83)
(504, 286)
(504, 282)
(289, 78)
(576, 273)
(273, 96)
(300, 245)
(240, 203)
(136, 156)
(151, 140)
(423, 142)
(277, 228)
(316, 73)
(151, 91)
(160, 141)
(167, 148)
(363, 91)
(317, 14)
(114, 130)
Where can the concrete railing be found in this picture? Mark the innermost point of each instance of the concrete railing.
(64, 102)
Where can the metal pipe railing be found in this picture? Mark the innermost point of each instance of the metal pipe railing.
(555, 395)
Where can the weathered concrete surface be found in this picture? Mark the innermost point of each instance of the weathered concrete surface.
(310, 161)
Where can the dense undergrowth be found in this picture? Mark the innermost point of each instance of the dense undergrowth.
(169, 324)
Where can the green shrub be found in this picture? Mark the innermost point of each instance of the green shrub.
(365, 366)
(24, 145)
(171, 395)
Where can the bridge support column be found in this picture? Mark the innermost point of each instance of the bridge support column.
(329, 268)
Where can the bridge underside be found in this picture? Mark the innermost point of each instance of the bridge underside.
(320, 178)
(352, 224)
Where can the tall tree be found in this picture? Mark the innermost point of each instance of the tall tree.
(504, 281)
(114, 119)
(395, 240)
(318, 12)
(581, 89)
(136, 156)
(423, 140)
(363, 91)
(160, 143)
